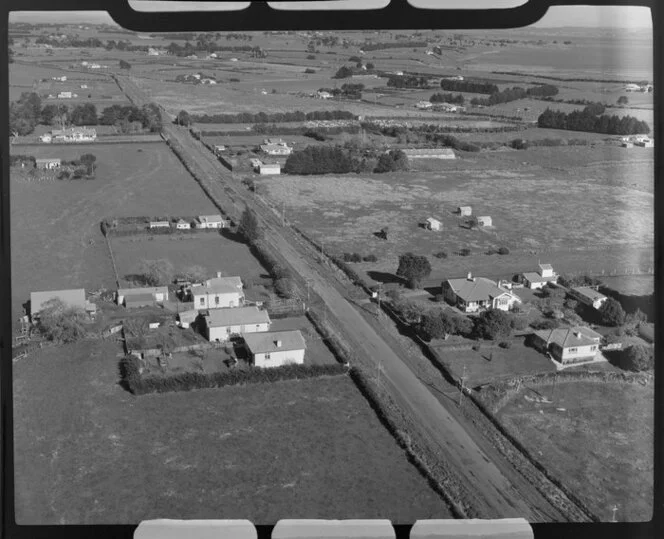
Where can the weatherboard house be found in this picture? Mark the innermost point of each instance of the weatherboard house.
(220, 324)
(473, 294)
(211, 221)
(218, 293)
(275, 348)
(73, 134)
(568, 345)
(538, 279)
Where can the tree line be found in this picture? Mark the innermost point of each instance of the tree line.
(341, 160)
(27, 112)
(264, 117)
(473, 87)
(407, 81)
(457, 99)
(515, 93)
(347, 91)
(585, 120)
(393, 45)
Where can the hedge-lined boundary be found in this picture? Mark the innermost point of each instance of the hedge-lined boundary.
(187, 381)
(439, 478)
(337, 346)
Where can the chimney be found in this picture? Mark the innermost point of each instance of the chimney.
(470, 277)
(218, 275)
(577, 334)
(277, 343)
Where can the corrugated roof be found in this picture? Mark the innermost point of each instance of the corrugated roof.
(568, 337)
(143, 290)
(588, 292)
(535, 277)
(74, 297)
(480, 289)
(233, 316)
(266, 342)
(139, 298)
(210, 218)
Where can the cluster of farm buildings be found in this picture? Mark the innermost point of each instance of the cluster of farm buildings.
(70, 134)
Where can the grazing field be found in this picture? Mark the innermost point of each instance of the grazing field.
(543, 201)
(307, 449)
(210, 250)
(55, 226)
(596, 437)
(634, 285)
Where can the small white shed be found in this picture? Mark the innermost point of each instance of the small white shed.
(433, 224)
(464, 211)
(484, 220)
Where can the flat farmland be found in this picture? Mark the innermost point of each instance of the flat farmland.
(543, 201)
(210, 250)
(55, 233)
(597, 438)
(307, 449)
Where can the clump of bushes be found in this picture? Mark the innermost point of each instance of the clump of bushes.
(440, 254)
(505, 344)
(309, 71)
(503, 251)
(352, 257)
(370, 258)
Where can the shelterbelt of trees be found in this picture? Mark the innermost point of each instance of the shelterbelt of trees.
(28, 111)
(265, 117)
(588, 120)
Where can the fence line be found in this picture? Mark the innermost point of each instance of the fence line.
(115, 269)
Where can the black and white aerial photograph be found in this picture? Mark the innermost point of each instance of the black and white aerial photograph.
(396, 274)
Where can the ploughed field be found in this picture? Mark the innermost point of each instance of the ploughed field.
(557, 204)
(306, 449)
(597, 438)
(55, 225)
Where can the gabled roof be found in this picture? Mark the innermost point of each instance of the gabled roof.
(142, 290)
(535, 277)
(188, 316)
(218, 288)
(479, 289)
(569, 337)
(139, 298)
(210, 218)
(266, 342)
(233, 316)
(74, 297)
(431, 220)
(589, 293)
(48, 160)
(545, 267)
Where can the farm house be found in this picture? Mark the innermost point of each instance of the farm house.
(48, 163)
(218, 293)
(274, 349)
(473, 294)
(74, 134)
(588, 296)
(211, 221)
(159, 224)
(181, 224)
(538, 279)
(568, 345)
(430, 153)
(464, 211)
(484, 220)
(432, 224)
(276, 149)
(220, 324)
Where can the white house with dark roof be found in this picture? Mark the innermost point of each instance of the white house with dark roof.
(220, 324)
(218, 293)
(211, 221)
(537, 279)
(276, 149)
(275, 348)
(588, 296)
(473, 294)
(568, 345)
(181, 224)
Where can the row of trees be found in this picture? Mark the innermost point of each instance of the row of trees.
(393, 45)
(586, 121)
(407, 81)
(27, 112)
(515, 93)
(474, 87)
(347, 90)
(322, 160)
(457, 99)
(264, 117)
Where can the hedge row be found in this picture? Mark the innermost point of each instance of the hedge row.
(186, 381)
(350, 272)
(339, 348)
(366, 387)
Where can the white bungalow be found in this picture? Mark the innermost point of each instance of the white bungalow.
(476, 293)
(537, 279)
(276, 348)
(220, 324)
(269, 168)
(464, 211)
(181, 224)
(159, 224)
(568, 345)
(211, 221)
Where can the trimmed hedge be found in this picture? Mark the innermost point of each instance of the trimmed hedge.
(186, 381)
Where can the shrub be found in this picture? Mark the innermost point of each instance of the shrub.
(370, 258)
(311, 57)
(637, 358)
(505, 344)
(492, 324)
(60, 322)
(549, 323)
(440, 254)
(503, 251)
(519, 144)
(612, 313)
(309, 70)
(464, 252)
(518, 323)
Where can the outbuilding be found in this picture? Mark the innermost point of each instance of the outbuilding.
(433, 224)
(181, 224)
(72, 298)
(484, 220)
(48, 163)
(588, 296)
(221, 324)
(158, 294)
(464, 211)
(269, 168)
(160, 224)
(275, 348)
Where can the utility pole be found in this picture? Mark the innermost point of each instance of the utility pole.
(463, 383)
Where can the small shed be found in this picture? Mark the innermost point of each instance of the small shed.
(269, 168)
(464, 211)
(139, 300)
(433, 224)
(484, 220)
(159, 224)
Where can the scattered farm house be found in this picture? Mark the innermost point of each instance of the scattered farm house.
(159, 224)
(430, 153)
(181, 224)
(484, 220)
(48, 163)
(269, 168)
(274, 349)
(220, 324)
(473, 294)
(70, 134)
(588, 296)
(568, 345)
(464, 211)
(212, 221)
(218, 293)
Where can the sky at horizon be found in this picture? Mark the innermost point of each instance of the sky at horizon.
(631, 17)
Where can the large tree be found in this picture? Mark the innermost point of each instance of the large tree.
(61, 322)
(88, 160)
(612, 313)
(249, 228)
(157, 272)
(637, 358)
(183, 118)
(493, 324)
(413, 268)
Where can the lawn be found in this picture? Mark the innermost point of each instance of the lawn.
(210, 250)
(597, 438)
(95, 454)
(55, 234)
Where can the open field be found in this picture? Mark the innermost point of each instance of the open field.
(55, 234)
(636, 285)
(255, 452)
(542, 201)
(210, 250)
(596, 437)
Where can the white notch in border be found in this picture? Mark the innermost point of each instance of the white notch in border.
(506, 528)
(170, 6)
(195, 529)
(331, 5)
(467, 4)
(333, 529)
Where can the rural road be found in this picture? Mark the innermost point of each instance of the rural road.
(493, 494)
